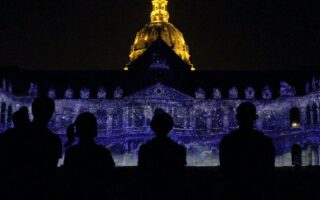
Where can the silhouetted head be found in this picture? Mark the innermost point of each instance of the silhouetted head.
(161, 123)
(86, 126)
(42, 110)
(246, 115)
(20, 118)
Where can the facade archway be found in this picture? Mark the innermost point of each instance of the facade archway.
(315, 154)
(296, 155)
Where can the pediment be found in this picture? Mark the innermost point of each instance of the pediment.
(160, 92)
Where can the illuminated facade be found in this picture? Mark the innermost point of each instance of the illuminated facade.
(160, 76)
(160, 27)
(200, 120)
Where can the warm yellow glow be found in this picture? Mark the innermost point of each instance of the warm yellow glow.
(126, 69)
(193, 69)
(295, 125)
(159, 11)
(160, 27)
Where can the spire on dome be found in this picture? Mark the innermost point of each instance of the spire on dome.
(159, 11)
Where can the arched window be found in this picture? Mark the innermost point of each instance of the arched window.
(315, 114)
(117, 119)
(232, 118)
(308, 115)
(296, 155)
(217, 120)
(295, 118)
(3, 113)
(179, 118)
(201, 123)
(101, 118)
(9, 118)
(138, 116)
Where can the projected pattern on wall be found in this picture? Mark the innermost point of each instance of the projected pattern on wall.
(200, 122)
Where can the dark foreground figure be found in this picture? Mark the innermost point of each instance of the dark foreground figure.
(162, 161)
(87, 165)
(247, 159)
(30, 153)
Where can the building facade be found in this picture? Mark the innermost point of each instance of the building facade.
(200, 121)
(201, 118)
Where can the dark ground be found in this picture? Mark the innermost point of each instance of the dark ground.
(208, 183)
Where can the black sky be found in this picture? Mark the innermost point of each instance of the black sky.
(221, 34)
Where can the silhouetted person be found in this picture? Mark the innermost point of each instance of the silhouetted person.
(247, 157)
(162, 160)
(87, 165)
(37, 152)
(20, 118)
(21, 122)
(9, 155)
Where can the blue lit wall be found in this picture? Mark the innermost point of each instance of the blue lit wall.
(200, 122)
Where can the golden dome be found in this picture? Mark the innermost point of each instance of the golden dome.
(160, 26)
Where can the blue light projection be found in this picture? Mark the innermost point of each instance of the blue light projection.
(200, 121)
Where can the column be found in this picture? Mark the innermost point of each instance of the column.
(109, 122)
(208, 122)
(192, 119)
(309, 155)
(185, 119)
(5, 117)
(303, 116)
(132, 117)
(318, 114)
(315, 155)
(125, 117)
(145, 113)
(226, 119)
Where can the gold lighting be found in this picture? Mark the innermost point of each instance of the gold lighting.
(160, 26)
(295, 125)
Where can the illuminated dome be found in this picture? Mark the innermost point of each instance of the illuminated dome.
(160, 26)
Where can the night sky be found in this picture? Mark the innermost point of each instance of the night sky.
(221, 34)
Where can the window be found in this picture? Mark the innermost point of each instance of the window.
(295, 118)
(315, 114)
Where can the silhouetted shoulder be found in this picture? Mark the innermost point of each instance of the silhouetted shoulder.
(89, 155)
(55, 142)
(251, 150)
(163, 144)
(237, 134)
(162, 152)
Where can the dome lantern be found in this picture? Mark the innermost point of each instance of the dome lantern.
(159, 11)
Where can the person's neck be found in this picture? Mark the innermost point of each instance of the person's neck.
(246, 129)
(87, 141)
(162, 137)
(39, 124)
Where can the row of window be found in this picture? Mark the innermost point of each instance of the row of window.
(312, 116)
